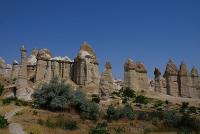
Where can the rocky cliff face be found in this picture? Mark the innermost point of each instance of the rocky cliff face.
(184, 81)
(195, 80)
(5, 69)
(179, 83)
(160, 82)
(85, 67)
(106, 82)
(135, 75)
(170, 75)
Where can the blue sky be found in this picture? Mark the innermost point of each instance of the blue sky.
(151, 31)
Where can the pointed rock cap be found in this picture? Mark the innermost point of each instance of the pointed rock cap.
(183, 71)
(140, 67)
(129, 65)
(157, 72)
(108, 65)
(86, 47)
(23, 48)
(44, 54)
(171, 68)
(194, 72)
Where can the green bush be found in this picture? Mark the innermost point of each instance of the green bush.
(127, 112)
(128, 92)
(54, 96)
(141, 99)
(117, 113)
(113, 113)
(101, 128)
(3, 122)
(170, 119)
(57, 96)
(184, 107)
(90, 110)
(192, 109)
(16, 101)
(9, 100)
(1, 89)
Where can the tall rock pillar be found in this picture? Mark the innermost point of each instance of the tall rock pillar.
(171, 76)
(22, 78)
(195, 91)
(106, 82)
(184, 81)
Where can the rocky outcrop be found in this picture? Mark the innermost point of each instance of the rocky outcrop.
(106, 82)
(85, 67)
(135, 75)
(159, 82)
(179, 83)
(195, 89)
(170, 75)
(5, 69)
(23, 89)
(184, 81)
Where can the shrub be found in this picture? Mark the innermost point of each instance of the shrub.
(1, 89)
(117, 113)
(54, 96)
(127, 112)
(158, 104)
(184, 107)
(192, 109)
(128, 92)
(9, 100)
(170, 119)
(101, 128)
(95, 98)
(71, 125)
(3, 122)
(89, 110)
(141, 99)
(113, 113)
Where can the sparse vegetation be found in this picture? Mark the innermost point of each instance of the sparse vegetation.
(3, 122)
(60, 122)
(117, 113)
(141, 99)
(57, 96)
(101, 128)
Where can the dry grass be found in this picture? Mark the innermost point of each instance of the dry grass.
(4, 131)
(6, 108)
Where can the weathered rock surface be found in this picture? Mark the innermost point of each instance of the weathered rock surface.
(184, 81)
(135, 75)
(85, 67)
(195, 89)
(106, 82)
(170, 75)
